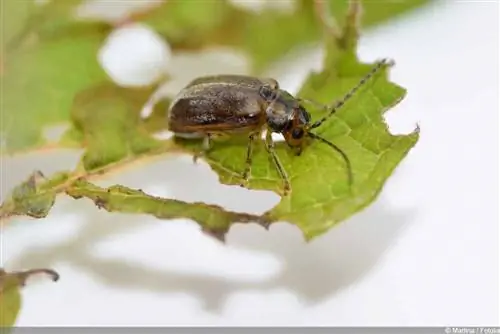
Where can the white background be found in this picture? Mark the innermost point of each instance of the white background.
(425, 253)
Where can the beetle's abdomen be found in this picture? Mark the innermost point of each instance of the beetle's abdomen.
(215, 107)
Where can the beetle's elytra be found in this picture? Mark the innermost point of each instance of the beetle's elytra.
(226, 104)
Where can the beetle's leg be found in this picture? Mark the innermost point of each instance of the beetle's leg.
(205, 147)
(248, 161)
(281, 170)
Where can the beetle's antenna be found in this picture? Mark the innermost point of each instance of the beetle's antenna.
(338, 149)
(353, 91)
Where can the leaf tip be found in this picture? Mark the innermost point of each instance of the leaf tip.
(415, 133)
(218, 234)
(266, 224)
(417, 129)
(309, 235)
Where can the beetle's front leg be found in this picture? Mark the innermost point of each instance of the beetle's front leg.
(205, 147)
(277, 163)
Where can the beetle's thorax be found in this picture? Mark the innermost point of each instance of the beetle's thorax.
(285, 113)
(281, 110)
(286, 116)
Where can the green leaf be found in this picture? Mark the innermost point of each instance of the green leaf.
(106, 121)
(55, 57)
(39, 85)
(42, 69)
(213, 219)
(10, 296)
(34, 197)
(321, 196)
(106, 117)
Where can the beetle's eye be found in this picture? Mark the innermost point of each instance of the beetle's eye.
(297, 133)
(267, 93)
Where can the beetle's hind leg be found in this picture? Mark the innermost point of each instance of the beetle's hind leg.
(248, 161)
(205, 147)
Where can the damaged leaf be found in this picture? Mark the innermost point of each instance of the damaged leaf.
(106, 121)
(212, 218)
(34, 197)
(321, 196)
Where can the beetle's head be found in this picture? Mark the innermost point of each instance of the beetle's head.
(286, 115)
(297, 128)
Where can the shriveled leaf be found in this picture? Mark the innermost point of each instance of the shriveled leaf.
(321, 196)
(10, 296)
(34, 197)
(42, 69)
(212, 219)
(106, 118)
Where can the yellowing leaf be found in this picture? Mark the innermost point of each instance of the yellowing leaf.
(10, 296)
(10, 304)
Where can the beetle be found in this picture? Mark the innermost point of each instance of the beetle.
(215, 105)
